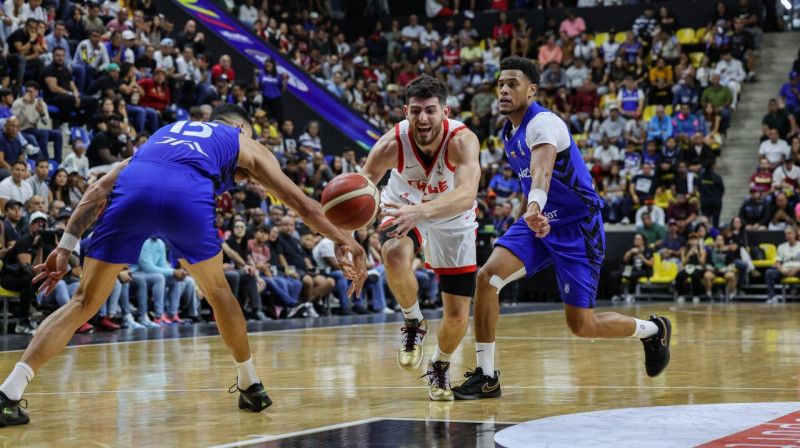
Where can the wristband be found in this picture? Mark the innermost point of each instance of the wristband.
(68, 241)
(538, 196)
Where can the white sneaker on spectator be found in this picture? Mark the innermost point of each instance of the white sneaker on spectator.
(681, 299)
(469, 14)
(630, 298)
(695, 299)
(387, 311)
(145, 321)
(625, 221)
(130, 322)
(616, 299)
(65, 129)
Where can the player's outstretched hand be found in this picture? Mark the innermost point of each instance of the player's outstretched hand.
(353, 263)
(52, 270)
(537, 221)
(406, 217)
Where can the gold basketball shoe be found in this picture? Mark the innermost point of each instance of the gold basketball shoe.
(410, 354)
(439, 381)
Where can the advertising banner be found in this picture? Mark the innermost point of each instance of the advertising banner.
(300, 84)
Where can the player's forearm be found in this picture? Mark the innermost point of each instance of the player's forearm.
(457, 201)
(311, 213)
(87, 210)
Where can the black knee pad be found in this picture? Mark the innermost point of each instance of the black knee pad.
(458, 284)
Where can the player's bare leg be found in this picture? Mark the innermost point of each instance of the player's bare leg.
(398, 254)
(54, 333)
(450, 333)
(210, 279)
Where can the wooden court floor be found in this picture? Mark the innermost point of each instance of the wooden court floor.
(169, 393)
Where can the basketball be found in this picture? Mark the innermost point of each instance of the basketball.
(350, 201)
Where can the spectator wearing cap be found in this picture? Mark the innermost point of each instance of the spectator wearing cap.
(156, 94)
(17, 274)
(61, 91)
(108, 84)
(491, 155)
(505, 185)
(23, 52)
(14, 187)
(92, 56)
(35, 122)
(790, 94)
(786, 178)
(110, 146)
(657, 214)
(755, 212)
(38, 182)
(775, 149)
(15, 218)
(132, 45)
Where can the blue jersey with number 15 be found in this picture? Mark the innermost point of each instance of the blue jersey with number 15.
(210, 148)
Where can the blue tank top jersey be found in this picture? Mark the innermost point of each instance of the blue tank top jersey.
(571, 196)
(210, 148)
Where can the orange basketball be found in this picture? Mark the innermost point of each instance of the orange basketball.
(350, 201)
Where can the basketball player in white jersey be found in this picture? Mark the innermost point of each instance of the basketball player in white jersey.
(429, 204)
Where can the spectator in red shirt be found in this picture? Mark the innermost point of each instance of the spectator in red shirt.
(156, 95)
(762, 179)
(682, 211)
(584, 101)
(503, 32)
(408, 74)
(223, 68)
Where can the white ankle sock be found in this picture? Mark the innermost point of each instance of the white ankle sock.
(247, 373)
(439, 355)
(413, 312)
(17, 381)
(644, 329)
(485, 354)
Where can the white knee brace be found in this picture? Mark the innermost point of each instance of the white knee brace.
(499, 283)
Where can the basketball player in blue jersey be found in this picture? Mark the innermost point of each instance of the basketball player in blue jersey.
(561, 226)
(167, 190)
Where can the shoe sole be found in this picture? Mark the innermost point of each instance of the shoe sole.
(4, 423)
(459, 396)
(244, 404)
(668, 326)
(452, 398)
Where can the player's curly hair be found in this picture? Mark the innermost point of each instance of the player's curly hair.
(526, 66)
(230, 114)
(426, 87)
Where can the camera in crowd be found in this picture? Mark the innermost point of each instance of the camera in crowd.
(47, 238)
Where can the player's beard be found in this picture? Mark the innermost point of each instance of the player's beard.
(432, 135)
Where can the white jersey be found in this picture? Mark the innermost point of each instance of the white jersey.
(448, 243)
(415, 182)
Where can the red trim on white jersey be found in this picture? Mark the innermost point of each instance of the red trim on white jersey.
(416, 151)
(455, 271)
(446, 160)
(399, 148)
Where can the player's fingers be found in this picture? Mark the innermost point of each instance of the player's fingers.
(48, 286)
(39, 267)
(391, 205)
(40, 277)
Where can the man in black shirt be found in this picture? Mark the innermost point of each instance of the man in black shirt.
(698, 154)
(60, 91)
(146, 63)
(110, 146)
(190, 36)
(107, 84)
(23, 52)
(742, 47)
(711, 189)
(641, 187)
(16, 274)
(296, 263)
(754, 212)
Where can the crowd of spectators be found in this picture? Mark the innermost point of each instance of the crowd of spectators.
(649, 113)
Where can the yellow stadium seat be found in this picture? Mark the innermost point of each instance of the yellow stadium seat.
(482, 44)
(7, 296)
(620, 37)
(790, 281)
(700, 34)
(601, 38)
(696, 58)
(771, 256)
(668, 109)
(649, 112)
(664, 272)
(686, 36)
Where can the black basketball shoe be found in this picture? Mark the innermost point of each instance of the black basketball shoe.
(656, 348)
(255, 398)
(478, 385)
(12, 414)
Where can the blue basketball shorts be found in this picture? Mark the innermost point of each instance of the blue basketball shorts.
(575, 249)
(163, 200)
